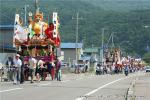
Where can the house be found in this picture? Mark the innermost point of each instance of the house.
(93, 53)
(68, 51)
(6, 39)
(6, 42)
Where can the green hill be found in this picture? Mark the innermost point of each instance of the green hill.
(121, 5)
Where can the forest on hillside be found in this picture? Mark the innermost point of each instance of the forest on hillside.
(129, 24)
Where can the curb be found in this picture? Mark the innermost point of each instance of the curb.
(130, 95)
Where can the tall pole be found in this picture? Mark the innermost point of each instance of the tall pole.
(77, 31)
(36, 6)
(25, 14)
(102, 46)
(113, 45)
(3, 43)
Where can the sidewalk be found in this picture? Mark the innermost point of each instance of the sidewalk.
(142, 88)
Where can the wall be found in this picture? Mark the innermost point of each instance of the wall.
(69, 53)
(6, 39)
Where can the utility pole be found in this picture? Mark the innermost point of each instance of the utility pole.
(37, 6)
(77, 30)
(113, 45)
(102, 54)
(25, 14)
(3, 43)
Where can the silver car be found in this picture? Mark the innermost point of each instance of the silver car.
(147, 69)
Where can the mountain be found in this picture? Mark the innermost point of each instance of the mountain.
(121, 5)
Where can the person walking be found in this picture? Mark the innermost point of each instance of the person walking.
(22, 70)
(98, 70)
(58, 70)
(9, 66)
(32, 68)
(52, 63)
(53, 71)
(49, 67)
(17, 69)
(86, 66)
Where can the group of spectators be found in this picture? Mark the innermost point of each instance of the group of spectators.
(131, 64)
(18, 71)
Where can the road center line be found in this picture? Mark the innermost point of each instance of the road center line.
(97, 89)
(10, 90)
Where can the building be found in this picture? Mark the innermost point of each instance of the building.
(6, 39)
(68, 51)
(93, 53)
(6, 42)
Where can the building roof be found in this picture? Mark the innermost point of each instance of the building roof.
(85, 58)
(6, 26)
(89, 50)
(71, 45)
(7, 47)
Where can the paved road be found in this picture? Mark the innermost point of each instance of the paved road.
(73, 87)
(142, 87)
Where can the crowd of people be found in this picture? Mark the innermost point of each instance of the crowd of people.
(19, 71)
(127, 64)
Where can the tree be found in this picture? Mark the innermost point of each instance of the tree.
(146, 57)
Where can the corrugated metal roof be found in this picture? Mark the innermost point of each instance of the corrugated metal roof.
(90, 50)
(71, 45)
(7, 47)
(6, 26)
(85, 58)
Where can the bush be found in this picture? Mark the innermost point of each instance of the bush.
(146, 57)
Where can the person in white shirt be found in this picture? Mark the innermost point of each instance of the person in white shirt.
(32, 67)
(17, 71)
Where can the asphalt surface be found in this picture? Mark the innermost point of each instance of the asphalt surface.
(142, 87)
(72, 87)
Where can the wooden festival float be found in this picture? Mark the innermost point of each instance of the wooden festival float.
(39, 38)
(113, 57)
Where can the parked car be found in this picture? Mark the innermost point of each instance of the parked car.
(64, 64)
(147, 69)
(80, 66)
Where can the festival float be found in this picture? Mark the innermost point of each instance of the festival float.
(39, 38)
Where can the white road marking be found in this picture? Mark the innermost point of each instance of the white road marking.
(10, 90)
(97, 89)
